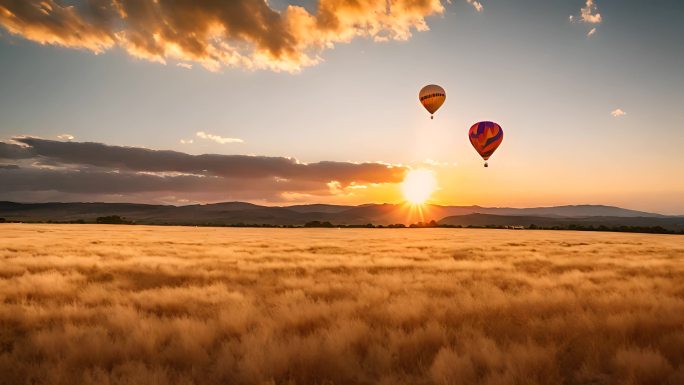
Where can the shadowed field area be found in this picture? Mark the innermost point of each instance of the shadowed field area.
(87, 304)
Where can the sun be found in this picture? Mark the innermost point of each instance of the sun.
(418, 185)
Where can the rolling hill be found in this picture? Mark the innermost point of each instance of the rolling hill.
(230, 213)
(669, 223)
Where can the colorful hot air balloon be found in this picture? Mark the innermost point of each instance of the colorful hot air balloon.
(432, 97)
(485, 137)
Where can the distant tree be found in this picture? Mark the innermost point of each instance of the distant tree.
(3, 220)
(318, 224)
(659, 230)
(113, 220)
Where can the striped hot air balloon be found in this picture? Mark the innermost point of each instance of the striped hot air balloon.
(486, 138)
(432, 97)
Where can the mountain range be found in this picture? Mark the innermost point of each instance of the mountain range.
(231, 213)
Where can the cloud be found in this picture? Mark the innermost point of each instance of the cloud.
(187, 66)
(189, 141)
(213, 33)
(110, 182)
(476, 4)
(14, 151)
(218, 139)
(618, 113)
(65, 137)
(434, 163)
(589, 13)
(47, 22)
(96, 169)
(240, 166)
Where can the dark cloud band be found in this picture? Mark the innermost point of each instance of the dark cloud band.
(229, 166)
(94, 168)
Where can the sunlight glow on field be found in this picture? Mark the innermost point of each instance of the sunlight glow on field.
(107, 304)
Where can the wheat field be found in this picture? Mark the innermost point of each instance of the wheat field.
(96, 304)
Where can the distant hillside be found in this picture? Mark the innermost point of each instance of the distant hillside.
(555, 211)
(670, 223)
(229, 213)
(318, 208)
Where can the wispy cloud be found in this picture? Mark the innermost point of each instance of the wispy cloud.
(188, 141)
(618, 113)
(217, 138)
(434, 163)
(187, 66)
(589, 13)
(213, 33)
(476, 4)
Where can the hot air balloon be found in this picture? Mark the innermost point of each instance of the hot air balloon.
(486, 138)
(432, 97)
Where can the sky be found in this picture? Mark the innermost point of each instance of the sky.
(289, 102)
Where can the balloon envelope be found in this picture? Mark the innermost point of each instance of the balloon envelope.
(432, 97)
(485, 137)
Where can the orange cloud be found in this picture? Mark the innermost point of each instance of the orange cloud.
(590, 13)
(46, 22)
(476, 4)
(618, 112)
(218, 139)
(215, 34)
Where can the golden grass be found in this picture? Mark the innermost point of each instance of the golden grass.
(84, 304)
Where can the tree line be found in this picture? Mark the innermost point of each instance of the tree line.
(118, 220)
